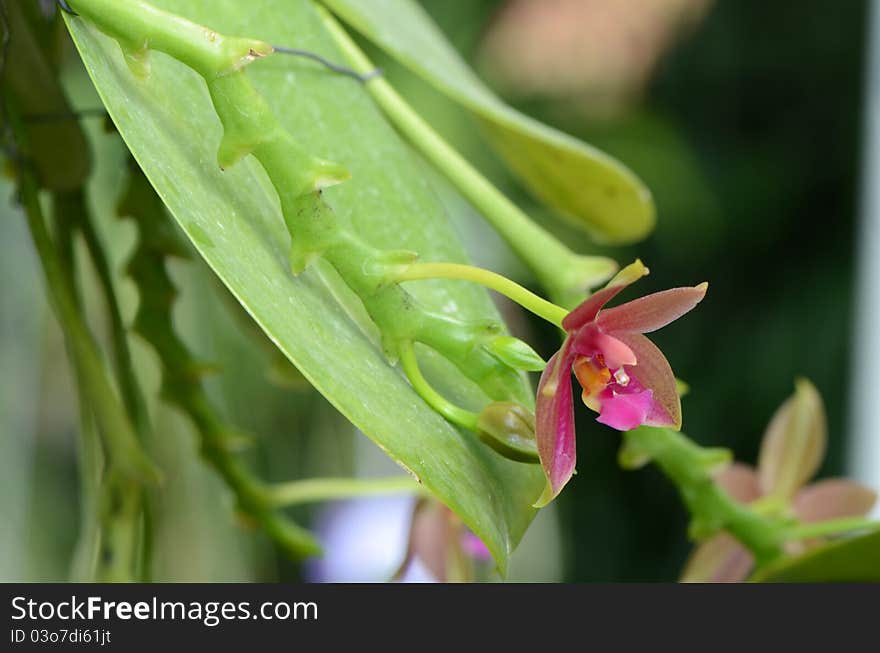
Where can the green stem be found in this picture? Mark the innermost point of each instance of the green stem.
(438, 402)
(181, 382)
(831, 527)
(139, 25)
(768, 505)
(328, 489)
(688, 466)
(90, 458)
(123, 449)
(561, 271)
(525, 298)
(129, 388)
(121, 519)
(126, 465)
(83, 568)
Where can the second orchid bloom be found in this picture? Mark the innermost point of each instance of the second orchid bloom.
(624, 376)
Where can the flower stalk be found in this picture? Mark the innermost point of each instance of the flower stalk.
(464, 418)
(566, 276)
(711, 508)
(501, 284)
(313, 490)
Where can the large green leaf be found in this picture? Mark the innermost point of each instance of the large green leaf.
(590, 188)
(234, 220)
(851, 560)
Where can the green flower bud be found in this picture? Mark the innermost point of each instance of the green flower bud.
(516, 354)
(509, 429)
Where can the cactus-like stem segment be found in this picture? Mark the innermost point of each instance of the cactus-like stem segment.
(250, 127)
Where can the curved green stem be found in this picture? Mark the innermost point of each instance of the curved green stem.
(689, 466)
(562, 272)
(123, 449)
(438, 402)
(831, 527)
(329, 489)
(525, 298)
(129, 387)
(126, 467)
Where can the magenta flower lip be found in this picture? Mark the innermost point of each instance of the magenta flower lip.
(624, 376)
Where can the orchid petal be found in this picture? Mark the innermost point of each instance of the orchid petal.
(474, 547)
(590, 340)
(554, 423)
(654, 373)
(430, 538)
(833, 498)
(651, 312)
(588, 309)
(720, 559)
(794, 443)
(626, 412)
(740, 481)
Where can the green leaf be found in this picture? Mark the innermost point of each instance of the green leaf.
(855, 559)
(590, 188)
(234, 220)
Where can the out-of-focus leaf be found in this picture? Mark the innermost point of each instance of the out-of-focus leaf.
(590, 188)
(57, 146)
(234, 221)
(855, 559)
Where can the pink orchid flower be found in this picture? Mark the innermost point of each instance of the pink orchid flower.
(624, 377)
(791, 451)
(446, 548)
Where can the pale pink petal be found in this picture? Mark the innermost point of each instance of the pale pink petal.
(794, 443)
(833, 498)
(651, 312)
(474, 547)
(588, 309)
(430, 539)
(740, 481)
(554, 423)
(589, 341)
(720, 559)
(626, 412)
(654, 373)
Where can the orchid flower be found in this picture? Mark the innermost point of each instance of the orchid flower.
(624, 376)
(791, 451)
(442, 544)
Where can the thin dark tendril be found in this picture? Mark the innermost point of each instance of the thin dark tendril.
(342, 70)
(66, 7)
(65, 115)
(6, 135)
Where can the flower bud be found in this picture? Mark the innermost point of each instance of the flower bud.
(509, 429)
(516, 354)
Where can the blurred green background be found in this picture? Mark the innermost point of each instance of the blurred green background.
(744, 120)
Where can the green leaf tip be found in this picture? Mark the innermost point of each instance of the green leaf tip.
(588, 187)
